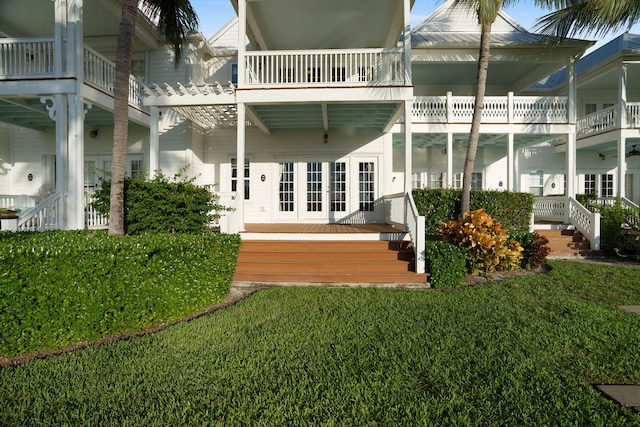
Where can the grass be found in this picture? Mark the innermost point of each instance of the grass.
(519, 352)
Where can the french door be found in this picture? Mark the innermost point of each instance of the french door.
(322, 190)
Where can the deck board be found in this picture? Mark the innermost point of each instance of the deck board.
(322, 228)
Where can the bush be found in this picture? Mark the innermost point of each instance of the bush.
(447, 264)
(535, 249)
(62, 287)
(486, 242)
(513, 210)
(175, 205)
(619, 228)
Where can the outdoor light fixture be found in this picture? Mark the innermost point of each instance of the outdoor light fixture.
(93, 134)
(602, 156)
(326, 138)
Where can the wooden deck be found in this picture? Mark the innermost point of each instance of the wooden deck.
(322, 228)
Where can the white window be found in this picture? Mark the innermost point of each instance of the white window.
(436, 180)
(606, 189)
(234, 73)
(476, 180)
(536, 182)
(234, 176)
(416, 180)
(590, 183)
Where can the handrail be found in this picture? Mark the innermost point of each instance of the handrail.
(400, 210)
(568, 209)
(587, 222)
(47, 215)
(28, 56)
(327, 67)
(101, 71)
(497, 109)
(600, 121)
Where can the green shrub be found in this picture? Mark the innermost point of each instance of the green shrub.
(486, 242)
(62, 287)
(512, 210)
(535, 248)
(175, 205)
(619, 229)
(447, 264)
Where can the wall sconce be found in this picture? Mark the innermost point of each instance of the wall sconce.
(444, 151)
(326, 138)
(602, 156)
(93, 134)
(263, 178)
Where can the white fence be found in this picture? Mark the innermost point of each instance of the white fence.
(31, 57)
(93, 219)
(400, 210)
(101, 72)
(569, 210)
(497, 109)
(357, 67)
(228, 221)
(47, 215)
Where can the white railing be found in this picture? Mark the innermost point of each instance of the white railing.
(563, 209)
(228, 221)
(400, 210)
(357, 67)
(92, 218)
(586, 221)
(47, 215)
(633, 114)
(598, 122)
(21, 202)
(32, 57)
(101, 72)
(497, 109)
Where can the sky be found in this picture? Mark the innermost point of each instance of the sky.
(214, 14)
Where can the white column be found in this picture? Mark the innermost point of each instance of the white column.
(154, 142)
(510, 164)
(449, 160)
(622, 95)
(406, 36)
(571, 137)
(240, 142)
(622, 164)
(75, 51)
(408, 145)
(622, 149)
(59, 30)
(242, 31)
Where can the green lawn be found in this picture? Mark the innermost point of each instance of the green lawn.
(519, 352)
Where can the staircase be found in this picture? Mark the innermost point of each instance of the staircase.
(567, 242)
(328, 261)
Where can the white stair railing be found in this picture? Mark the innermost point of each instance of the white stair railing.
(568, 209)
(400, 210)
(47, 215)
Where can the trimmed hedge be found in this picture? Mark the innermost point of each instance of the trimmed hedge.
(175, 205)
(446, 264)
(512, 210)
(62, 287)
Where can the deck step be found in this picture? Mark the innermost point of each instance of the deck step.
(327, 262)
(568, 243)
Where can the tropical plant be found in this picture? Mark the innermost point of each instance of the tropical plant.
(175, 19)
(585, 16)
(487, 243)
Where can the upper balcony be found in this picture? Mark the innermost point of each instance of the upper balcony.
(609, 119)
(322, 68)
(33, 58)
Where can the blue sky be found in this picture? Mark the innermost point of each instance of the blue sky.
(214, 14)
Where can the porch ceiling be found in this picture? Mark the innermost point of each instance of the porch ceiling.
(312, 24)
(348, 117)
(439, 140)
(30, 113)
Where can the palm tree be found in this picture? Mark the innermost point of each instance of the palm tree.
(585, 16)
(175, 20)
(487, 12)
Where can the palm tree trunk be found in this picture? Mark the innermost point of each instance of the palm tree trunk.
(121, 115)
(474, 135)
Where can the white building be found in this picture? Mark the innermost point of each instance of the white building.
(337, 111)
